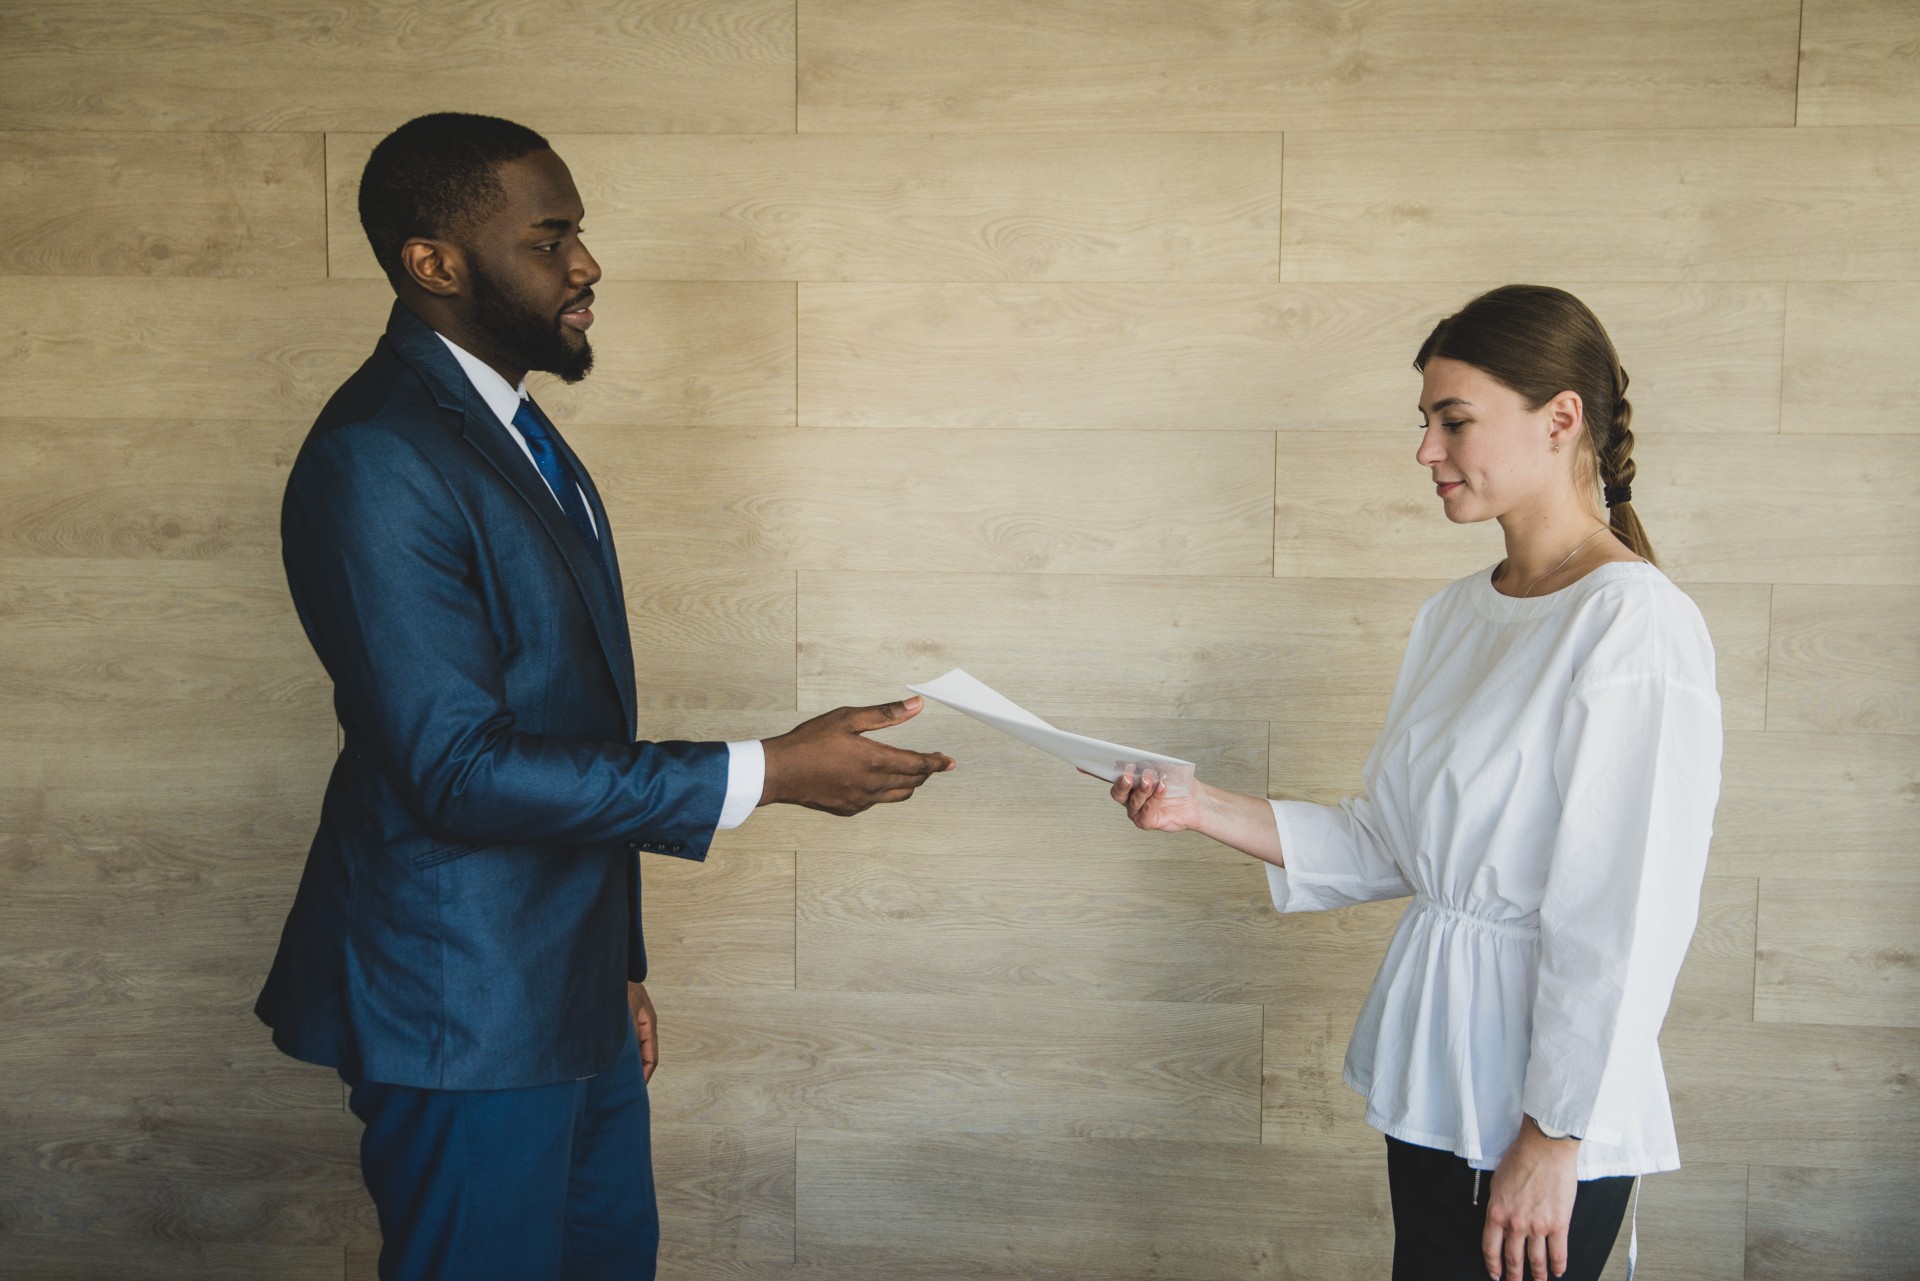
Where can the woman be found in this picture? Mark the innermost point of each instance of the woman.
(1544, 789)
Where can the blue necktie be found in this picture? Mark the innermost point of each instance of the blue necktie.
(553, 465)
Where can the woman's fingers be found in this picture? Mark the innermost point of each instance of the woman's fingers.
(1537, 1258)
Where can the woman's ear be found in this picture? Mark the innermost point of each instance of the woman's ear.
(1566, 415)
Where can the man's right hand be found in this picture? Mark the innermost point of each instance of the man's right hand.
(826, 764)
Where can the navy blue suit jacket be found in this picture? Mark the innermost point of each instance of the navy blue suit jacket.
(470, 910)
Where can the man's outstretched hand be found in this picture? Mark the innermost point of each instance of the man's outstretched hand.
(826, 764)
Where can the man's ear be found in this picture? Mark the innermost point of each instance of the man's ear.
(437, 266)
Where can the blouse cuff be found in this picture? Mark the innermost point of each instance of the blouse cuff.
(1308, 882)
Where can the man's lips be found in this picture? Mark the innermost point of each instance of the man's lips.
(579, 315)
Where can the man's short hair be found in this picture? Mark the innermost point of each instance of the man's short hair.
(435, 177)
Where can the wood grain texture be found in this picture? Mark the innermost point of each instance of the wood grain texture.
(1841, 806)
(1693, 1225)
(990, 501)
(134, 490)
(76, 1257)
(793, 207)
(708, 639)
(961, 1063)
(1111, 1208)
(1287, 649)
(1704, 357)
(637, 65)
(1655, 204)
(1843, 953)
(726, 1192)
(1858, 63)
(1354, 505)
(725, 922)
(872, 65)
(693, 354)
(1839, 1225)
(1774, 1093)
(116, 204)
(1848, 363)
(219, 1176)
(74, 631)
(1845, 658)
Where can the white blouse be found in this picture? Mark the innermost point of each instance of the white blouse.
(1544, 789)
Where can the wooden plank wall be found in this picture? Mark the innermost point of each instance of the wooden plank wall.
(1067, 340)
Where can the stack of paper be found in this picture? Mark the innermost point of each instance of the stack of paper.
(1107, 760)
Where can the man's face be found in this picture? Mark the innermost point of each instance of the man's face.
(530, 279)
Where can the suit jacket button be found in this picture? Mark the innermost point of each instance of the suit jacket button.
(676, 848)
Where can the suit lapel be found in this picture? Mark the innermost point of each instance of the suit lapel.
(422, 349)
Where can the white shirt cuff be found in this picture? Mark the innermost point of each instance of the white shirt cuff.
(746, 779)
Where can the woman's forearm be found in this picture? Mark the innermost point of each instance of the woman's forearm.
(1241, 821)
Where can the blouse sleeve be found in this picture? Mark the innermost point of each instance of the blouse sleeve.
(1638, 767)
(1337, 855)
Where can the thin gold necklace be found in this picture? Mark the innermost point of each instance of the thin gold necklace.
(1563, 563)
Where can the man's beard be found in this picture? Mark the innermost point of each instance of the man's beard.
(529, 338)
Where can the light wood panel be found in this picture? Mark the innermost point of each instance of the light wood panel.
(675, 353)
(869, 65)
(960, 1063)
(1849, 357)
(1838, 1225)
(1845, 953)
(1845, 659)
(1840, 806)
(1778, 1093)
(641, 65)
(725, 922)
(1859, 62)
(1693, 1225)
(143, 630)
(115, 204)
(1037, 207)
(1354, 504)
(1704, 357)
(989, 501)
(1289, 649)
(62, 1257)
(216, 1177)
(1732, 204)
(726, 1192)
(1127, 1210)
(136, 490)
(708, 640)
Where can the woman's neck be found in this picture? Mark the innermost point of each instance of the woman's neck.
(1547, 545)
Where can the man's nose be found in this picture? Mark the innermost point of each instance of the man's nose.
(585, 272)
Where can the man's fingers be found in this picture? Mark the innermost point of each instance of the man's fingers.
(864, 720)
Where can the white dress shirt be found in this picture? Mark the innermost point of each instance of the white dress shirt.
(1544, 789)
(746, 759)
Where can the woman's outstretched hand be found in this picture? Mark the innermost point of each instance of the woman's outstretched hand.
(1149, 806)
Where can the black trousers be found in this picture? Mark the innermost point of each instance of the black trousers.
(1437, 1223)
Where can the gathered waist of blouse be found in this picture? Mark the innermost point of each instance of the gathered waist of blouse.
(1515, 927)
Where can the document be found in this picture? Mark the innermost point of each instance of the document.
(1096, 756)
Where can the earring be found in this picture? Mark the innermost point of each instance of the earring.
(1556, 446)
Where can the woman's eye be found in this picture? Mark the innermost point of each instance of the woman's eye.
(1454, 424)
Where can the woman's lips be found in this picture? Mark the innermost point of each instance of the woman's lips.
(1445, 487)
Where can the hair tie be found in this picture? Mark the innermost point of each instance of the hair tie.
(1617, 494)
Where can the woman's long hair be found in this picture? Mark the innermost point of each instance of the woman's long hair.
(1540, 341)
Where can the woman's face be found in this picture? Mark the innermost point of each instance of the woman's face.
(1490, 455)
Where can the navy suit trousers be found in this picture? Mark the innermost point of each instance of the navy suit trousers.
(550, 1183)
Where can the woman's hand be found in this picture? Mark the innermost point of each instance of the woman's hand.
(1529, 1207)
(1151, 809)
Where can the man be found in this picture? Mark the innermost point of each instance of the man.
(465, 946)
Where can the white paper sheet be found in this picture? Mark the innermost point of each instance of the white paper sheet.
(1107, 760)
